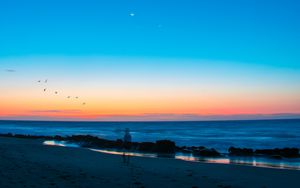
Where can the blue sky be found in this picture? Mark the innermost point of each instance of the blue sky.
(263, 32)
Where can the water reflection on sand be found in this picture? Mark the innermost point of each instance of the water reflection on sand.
(256, 161)
(60, 143)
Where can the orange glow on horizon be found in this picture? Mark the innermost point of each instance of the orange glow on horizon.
(165, 108)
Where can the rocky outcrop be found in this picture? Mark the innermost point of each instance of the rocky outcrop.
(165, 146)
(284, 152)
(162, 146)
(146, 147)
(240, 151)
(273, 153)
(206, 152)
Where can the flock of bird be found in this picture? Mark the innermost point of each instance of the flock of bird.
(56, 92)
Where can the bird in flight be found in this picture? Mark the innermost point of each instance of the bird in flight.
(46, 80)
(83, 103)
(76, 97)
(39, 80)
(68, 97)
(56, 92)
(45, 89)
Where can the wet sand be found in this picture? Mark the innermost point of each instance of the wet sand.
(28, 163)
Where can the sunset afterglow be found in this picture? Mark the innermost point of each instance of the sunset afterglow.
(133, 63)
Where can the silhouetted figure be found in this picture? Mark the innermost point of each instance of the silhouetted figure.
(83, 103)
(126, 145)
(56, 92)
(45, 89)
(69, 97)
(76, 97)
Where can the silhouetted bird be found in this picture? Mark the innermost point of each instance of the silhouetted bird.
(45, 89)
(83, 103)
(39, 81)
(76, 97)
(68, 97)
(56, 92)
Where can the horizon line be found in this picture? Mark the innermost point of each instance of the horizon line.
(153, 121)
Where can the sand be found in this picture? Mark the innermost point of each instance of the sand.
(28, 163)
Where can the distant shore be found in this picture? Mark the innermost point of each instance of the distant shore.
(29, 163)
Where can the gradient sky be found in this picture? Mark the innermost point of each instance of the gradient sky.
(149, 59)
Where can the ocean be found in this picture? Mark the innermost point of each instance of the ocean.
(215, 134)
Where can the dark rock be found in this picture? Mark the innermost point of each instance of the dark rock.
(285, 152)
(186, 151)
(240, 151)
(93, 141)
(146, 146)
(57, 137)
(276, 157)
(7, 135)
(206, 152)
(119, 142)
(165, 146)
(201, 147)
(193, 148)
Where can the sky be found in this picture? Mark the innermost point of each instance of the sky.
(149, 59)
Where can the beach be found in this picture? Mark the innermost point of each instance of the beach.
(29, 163)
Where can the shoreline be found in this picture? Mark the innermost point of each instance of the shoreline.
(168, 149)
(27, 162)
(253, 161)
(164, 146)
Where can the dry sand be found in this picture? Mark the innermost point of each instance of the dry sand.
(28, 163)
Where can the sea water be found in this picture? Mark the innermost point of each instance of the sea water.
(215, 134)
